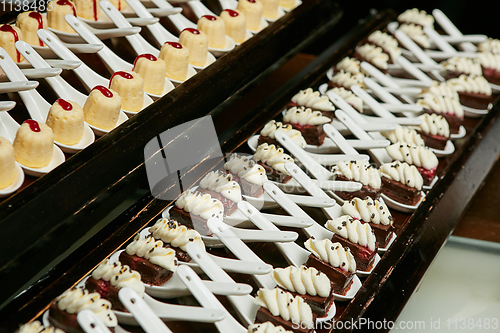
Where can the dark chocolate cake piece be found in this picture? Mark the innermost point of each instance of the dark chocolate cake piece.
(421, 157)
(474, 91)
(108, 278)
(76, 300)
(151, 259)
(222, 187)
(270, 301)
(308, 122)
(194, 208)
(250, 175)
(273, 160)
(334, 260)
(374, 212)
(346, 80)
(359, 171)
(374, 55)
(401, 182)
(176, 236)
(358, 237)
(267, 134)
(309, 283)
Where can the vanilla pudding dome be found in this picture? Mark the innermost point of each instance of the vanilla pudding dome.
(9, 35)
(176, 58)
(236, 24)
(34, 144)
(102, 108)
(67, 121)
(29, 23)
(196, 42)
(152, 71)
(130, 86)
(88, 9)
(7, 163)
(215, 29)
(55, 17)
(253, 12)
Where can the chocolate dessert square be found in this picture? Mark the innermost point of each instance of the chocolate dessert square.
(264, 315)
(400, 192)
(363, 256)
(150, 273)
(453, 121)
(383, 233)
(319, 305)
(434, 141)
(107, 291)
(65, 321)
(341, 279)
(365, 191)
(275, 175)
(476, 101)
(313, 134)
(229, 205)
(190, 220)
(248, 188)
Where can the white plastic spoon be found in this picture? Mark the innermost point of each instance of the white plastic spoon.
(146, 318)
(464, 38)
(34, 73)
(102, 34)
(451, 29)
(90, 323)
(55, 63)
(8, 87)
(46, 52)
(207, 299)
(338, 139)
(245, 306)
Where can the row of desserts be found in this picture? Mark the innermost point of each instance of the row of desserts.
(268, 295)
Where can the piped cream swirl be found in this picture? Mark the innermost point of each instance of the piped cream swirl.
(349, 65)
(419, 156)
(303, 280)
(462, 65)
(313, 99)
(347, 79)
(283, 304)
(360, 171)
(75, 300)
(416, 16)
(272, 126)
(201, 204)
(37, 327)
(354, 230)
(246, 169)
(303, 116)
(471, 84)
(374, 54)
(273, 157)
(119, 276)
(388, 43)
(349, 97)
(404, 134)
(333, 253)
(154, 251)
(440, 104)
(416, 33)
(490, 45)
(222, 183)
(368, 210)
(442, 89)
(488, 60)
(402, 172)
(171, 232)
(434, 124)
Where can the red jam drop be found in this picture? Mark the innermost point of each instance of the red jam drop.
(37, 16)
(9, 28)
(147, 56)
(252, 1)
(95, 10)
(64, 104)
(125, 75)
(33, 125)
(192, 30)
(67, 3)
(210, 17)
(105, 91)
(174, 44)
(231, 12)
